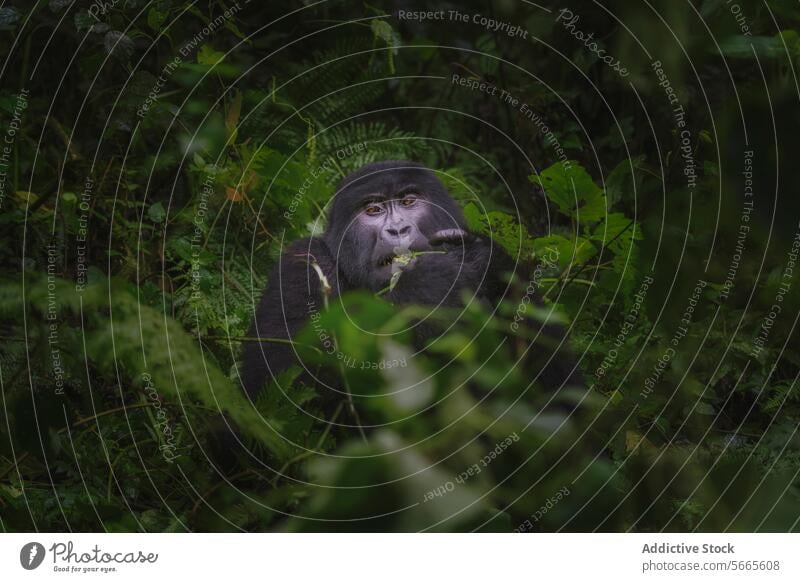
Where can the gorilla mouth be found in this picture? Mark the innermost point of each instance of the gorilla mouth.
(387, 260)
(400, 256)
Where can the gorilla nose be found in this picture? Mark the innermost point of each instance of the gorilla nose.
(399, 232)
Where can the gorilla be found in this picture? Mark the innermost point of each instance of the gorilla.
(387, 219)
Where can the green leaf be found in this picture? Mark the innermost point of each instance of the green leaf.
(573, 191)
(83, 21)
(617, 232)
(705, 408)
(156, 212)
(569, 252)
(383, 31)
(504, 229)
(157, 15)
(208, 56)
(623, 182)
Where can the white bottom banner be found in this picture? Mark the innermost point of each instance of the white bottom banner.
(355, 557)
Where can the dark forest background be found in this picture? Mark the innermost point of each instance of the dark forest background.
(157, 156)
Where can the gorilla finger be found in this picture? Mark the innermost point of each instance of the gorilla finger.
(450, 235)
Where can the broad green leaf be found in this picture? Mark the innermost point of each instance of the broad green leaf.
(621, 184)
(573, 191)
(617, 232)
(568, 251)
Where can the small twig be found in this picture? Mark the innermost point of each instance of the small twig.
(59, 129)
(16, 463)
(396, 276)
(326, 289)
(350, 404)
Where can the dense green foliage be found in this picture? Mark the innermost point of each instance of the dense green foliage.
(159, 155)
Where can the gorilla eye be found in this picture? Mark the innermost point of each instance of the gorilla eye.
(409, 200)
(373, 210)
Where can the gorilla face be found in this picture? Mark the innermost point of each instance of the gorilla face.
(385, 210)
(395, 226)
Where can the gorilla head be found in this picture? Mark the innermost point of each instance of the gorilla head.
(384, 210)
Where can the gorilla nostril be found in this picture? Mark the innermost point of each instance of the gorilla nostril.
(402, 231)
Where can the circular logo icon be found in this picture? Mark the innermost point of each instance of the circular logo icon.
(31, 555)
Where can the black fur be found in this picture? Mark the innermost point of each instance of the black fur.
(348, 253)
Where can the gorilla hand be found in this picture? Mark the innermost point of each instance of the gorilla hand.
(451, 236)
